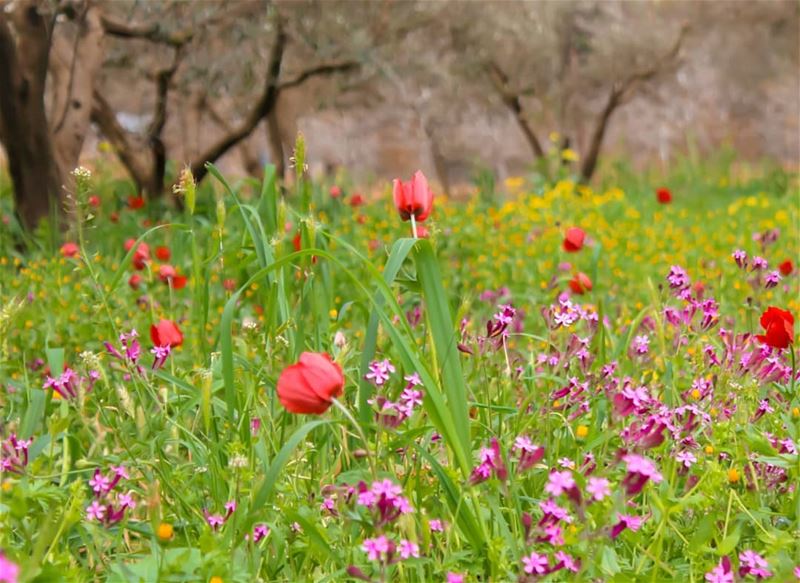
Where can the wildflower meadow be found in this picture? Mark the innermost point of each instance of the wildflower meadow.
(540, 381)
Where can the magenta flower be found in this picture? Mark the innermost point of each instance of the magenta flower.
(95, 511)
(686, 458)
(559, 482)
(568, 562)
(599, 488)
(641, 344)
(386, 498)
(633, 523)
(491, 463)
(751, 563)
(379, 372)
(436, 525)
(721, 573)
(529, 454)
(455, 578)
(99, 483)
(408, 549)
(259, 531)
(376, 548)
(9, 571)
(14, 454)
(535, 563)
(740, 257)
(640, 470)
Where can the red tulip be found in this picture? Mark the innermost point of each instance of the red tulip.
(664, 196)
(356, 200)
(335, 191)
(580, 284)
(94, 201)
(573, 239)
(135, 202)
(166, 333)
(69, 249)
(786, 268)
(309, 386)
(163, 253)
(135, 281)
(413, 197)
(778, 328)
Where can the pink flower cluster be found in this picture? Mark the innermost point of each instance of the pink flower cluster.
(385, 498)
(491, 462)
(69, 384)
(103, 508)
(215, 521)
(14, 454)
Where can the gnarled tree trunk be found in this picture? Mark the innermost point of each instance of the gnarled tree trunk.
(24, 128)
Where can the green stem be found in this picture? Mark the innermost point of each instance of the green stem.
(360, 432)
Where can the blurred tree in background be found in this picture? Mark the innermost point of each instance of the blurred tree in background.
(386, 86)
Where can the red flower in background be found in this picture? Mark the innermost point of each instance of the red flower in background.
(141, 256)
(580, 284)
(335, 191)
(169, 275)
(309, 386)
(413, 197)
(69, 249)
(94, 201)
(163, 253)
(166, 333)
(114, 216)
(422, 232)
(573, 239)
(356, 200)
(786, 268)
(229, 284)
(135, 281)
(135, 202)
(664, 196)
(297, 241)
(778, 328)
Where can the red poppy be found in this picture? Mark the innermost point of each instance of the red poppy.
(309, 386)
(664, 196)
(166, 333)
(413, 197)
(229, 284)
(169, 275)
(361, 219)
(580, 284)
(786, 268)
(135, 202)
(297, 241)
(335, 191)
(778, 328)
(114, 216)
(163, 253)
(356, 200)
(69, 249)
(141, 256)
(135, 281)
(573, 239)
(94, 201)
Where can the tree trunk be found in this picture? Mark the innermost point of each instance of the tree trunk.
(275, 143)
(24, 128)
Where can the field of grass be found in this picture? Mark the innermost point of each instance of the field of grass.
(501, 417)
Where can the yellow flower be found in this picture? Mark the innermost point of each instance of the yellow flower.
(709, 449)
(215, 579)
(165, 531)
(582, 431)
(569, 155)
(733, 475)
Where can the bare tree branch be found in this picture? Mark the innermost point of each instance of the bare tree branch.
(619, 94)
(153, 32)
(512, 101)
(321, 69)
